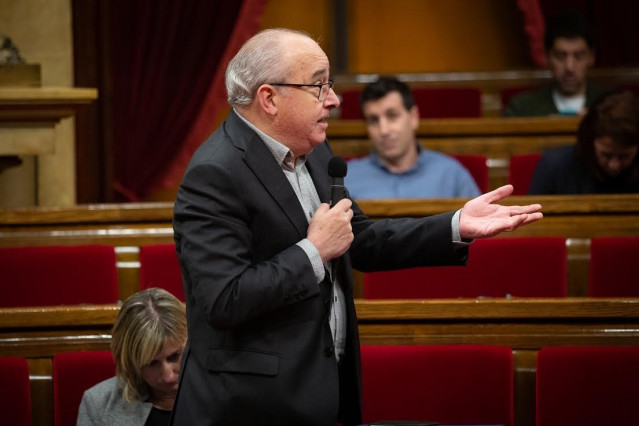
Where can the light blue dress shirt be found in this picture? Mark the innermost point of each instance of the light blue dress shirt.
(435, 175)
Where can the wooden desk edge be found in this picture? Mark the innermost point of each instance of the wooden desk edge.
(369, 311)
(496, 309)
(58, 316)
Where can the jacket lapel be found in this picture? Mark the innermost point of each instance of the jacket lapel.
(262, 163)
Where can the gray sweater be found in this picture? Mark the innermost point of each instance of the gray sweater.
(103, 404)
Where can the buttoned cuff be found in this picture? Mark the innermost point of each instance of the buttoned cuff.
(314, 257)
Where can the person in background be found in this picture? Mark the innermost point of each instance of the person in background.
(399, 167)
(267, 263)
(604, 160)
(570, 53)
(147, 342)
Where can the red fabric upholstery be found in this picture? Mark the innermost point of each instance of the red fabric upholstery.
(448, 102)
(73, 373)
(476, 165)
(349, 107)
(614, 270)
(15, 391)
(497, 267)
(521, 170)
(159, 267)
(433, 102)
(465, 384)
(586, 386)
(58, 275)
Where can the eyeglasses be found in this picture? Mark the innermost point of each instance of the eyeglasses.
(324, 88)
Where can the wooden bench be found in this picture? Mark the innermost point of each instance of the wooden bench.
(496, 138)
(129, 226)
(525, 325)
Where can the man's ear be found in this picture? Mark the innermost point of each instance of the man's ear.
(266, 97)
(414, 117)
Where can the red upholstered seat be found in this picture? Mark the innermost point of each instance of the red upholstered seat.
(448, 102)
(349, 107)
(586, 385)
(15, 391)
(521, 170)
(159, 267)
(74, 373)
(478, 168)
(58, 275)
(464, 384)
(614, 267)
(433, 102)
(497, 267)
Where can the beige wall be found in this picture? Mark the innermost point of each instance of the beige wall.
(41, 29)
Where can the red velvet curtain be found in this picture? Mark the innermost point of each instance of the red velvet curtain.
(165, 56)
(534, 25)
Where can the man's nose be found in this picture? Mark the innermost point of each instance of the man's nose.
(332, 100)
(614, 164)
(383, 126)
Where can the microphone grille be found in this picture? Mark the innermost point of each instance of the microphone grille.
(337, 167)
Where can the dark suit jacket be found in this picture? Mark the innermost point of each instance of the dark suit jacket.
(539, 103)
(260, 350)
(561, 172)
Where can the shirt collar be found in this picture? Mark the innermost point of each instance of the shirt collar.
(282, 154)
(374, 158)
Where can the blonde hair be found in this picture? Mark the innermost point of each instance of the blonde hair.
(147, 321)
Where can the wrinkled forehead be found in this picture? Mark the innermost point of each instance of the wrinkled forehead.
(390, 102)
(570, 44)
(305, 59)
(608, 144)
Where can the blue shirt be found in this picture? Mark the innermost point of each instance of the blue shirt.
(435, 175)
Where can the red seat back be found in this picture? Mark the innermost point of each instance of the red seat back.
(349, 107)
(497, 267)
(521, 170)
(614, 269)
(448, 102)
(464, 384)
(478, 168)
(15, 391)
(58, 275)
(74, 373)
(159, 267)
(586, 385)
(433, 102)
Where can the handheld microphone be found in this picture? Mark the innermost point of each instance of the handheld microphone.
(337, 171)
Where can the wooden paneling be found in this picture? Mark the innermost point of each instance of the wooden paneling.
(525, 325)
(129, 226)
(435, 35)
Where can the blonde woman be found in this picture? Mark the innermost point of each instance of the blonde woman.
(148, 339)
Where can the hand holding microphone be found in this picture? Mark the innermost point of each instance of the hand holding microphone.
(337, 170)
(330, 229)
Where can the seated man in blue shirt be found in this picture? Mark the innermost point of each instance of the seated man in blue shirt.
(398, 167)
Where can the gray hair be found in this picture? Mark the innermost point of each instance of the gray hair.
(258, 61)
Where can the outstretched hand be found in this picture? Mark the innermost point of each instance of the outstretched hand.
(480, 218)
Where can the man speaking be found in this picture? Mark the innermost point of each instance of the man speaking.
(272, 332)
